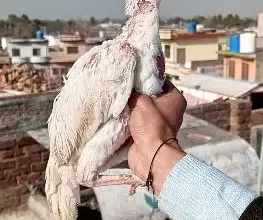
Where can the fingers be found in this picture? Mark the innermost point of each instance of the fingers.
(168, 86)
(140, 101)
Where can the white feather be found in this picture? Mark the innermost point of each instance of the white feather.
(88, 112)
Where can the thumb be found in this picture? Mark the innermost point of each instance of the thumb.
(134, 99)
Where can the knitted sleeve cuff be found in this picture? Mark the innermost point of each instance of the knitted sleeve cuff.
(195, 190)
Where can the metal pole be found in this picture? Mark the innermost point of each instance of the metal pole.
(259, 183)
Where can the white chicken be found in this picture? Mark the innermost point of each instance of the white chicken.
(89, 121)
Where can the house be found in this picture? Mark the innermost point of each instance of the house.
(239, 66)
(244, 66)
(4, 59)
(200, 88)
(34, 51)
(243, 60)
(69, 50)
(190, 49)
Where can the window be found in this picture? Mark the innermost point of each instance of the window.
(231, 72)
(181, 56)
(167, 51)
(36, 52)
(72, 50)
(245, 71)
(16, 52)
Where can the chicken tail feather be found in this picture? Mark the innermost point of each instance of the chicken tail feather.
(62, 191)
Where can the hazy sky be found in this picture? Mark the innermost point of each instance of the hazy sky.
(65, 9)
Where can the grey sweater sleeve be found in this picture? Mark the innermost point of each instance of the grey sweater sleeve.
(196, 191)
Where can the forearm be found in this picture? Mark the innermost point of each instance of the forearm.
(195, 190)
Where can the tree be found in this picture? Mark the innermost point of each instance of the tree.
(24, 18)
(93, 21)
(13, 19)
(105, 20)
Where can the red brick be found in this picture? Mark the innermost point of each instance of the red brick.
(26, 160)
(26, 140)
(38, 167)
(23, 160)
(35, 158)
(13, 191)
(32, 149)
(7, 143)
(2, 176)
(45, 156)
(30, 178)
(7, 164)
(24, 198)
(7, 183)
(18, 151)
(9, 202)
(23, 169)
(6, 154)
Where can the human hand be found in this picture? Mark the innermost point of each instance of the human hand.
(151, 123)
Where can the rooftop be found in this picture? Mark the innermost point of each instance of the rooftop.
(236, 54)
(4, 59)
(227, 87)
(33, 40)
(71, 38)
(170, 34)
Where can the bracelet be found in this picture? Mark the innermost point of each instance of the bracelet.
(149, 181)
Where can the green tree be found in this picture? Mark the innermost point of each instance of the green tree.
(93, 21)
(24, 18)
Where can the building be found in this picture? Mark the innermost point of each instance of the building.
(199, 89)
(70, 48)
(34, 51)
(245, 66)
(240, 66)
(243, 60)
(190, 50)
(260, 25)
(4, 59)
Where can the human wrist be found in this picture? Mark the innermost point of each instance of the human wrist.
(166, 158)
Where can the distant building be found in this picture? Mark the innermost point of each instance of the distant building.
(245, 66)
(33, 51)
(199, 89)
(260, 25)
(4, 59)
(240, 66)
(190, 50)
(70, 49)
(243, 60)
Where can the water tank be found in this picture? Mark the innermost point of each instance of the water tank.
(248, 42)
(235, 43)
(200, 27)
(191, 27)
(39, 34)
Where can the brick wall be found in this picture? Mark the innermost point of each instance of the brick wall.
(29, 111)
(217, 114)
(257, 117)
(233, 116)
(240, 118)
(22, 165)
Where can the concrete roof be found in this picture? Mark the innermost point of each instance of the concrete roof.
(227, 87)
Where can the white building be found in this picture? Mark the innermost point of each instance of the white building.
(34, 51)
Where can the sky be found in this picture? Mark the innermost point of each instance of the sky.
(82, 9)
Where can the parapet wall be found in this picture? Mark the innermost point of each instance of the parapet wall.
(233, 116)
(25, 112)
(22, 167)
